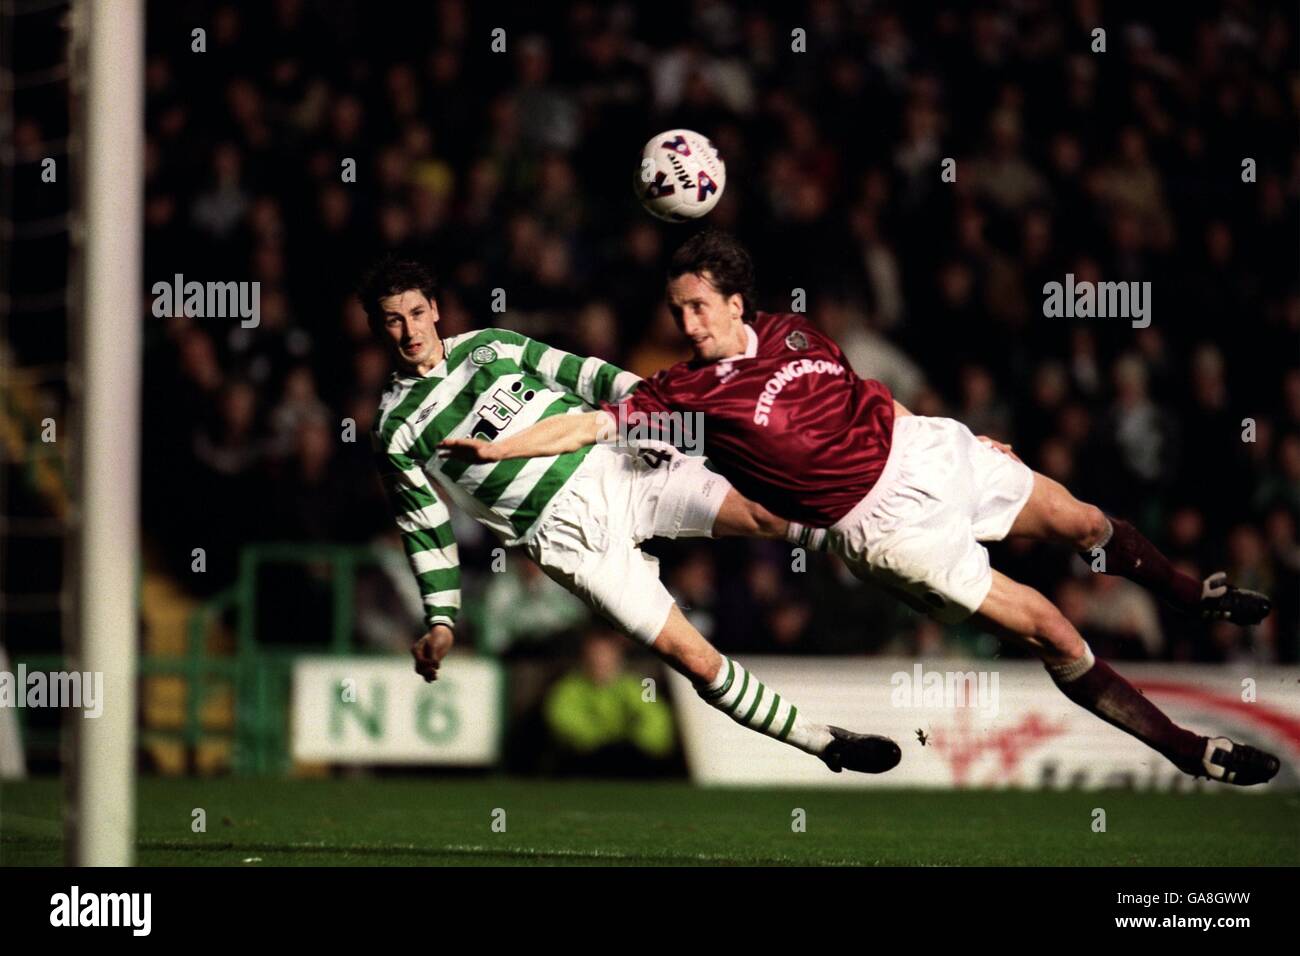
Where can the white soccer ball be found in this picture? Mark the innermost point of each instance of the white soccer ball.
(681, 175)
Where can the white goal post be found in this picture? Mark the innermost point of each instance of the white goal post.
(101, 821)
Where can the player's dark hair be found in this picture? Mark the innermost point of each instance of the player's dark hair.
(726, 261)
(393, 276)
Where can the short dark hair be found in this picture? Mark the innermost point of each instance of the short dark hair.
(393, 276)
(726, 261)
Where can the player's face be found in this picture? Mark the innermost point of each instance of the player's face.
(713, 322)
(408, 322)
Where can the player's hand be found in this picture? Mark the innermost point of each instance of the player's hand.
(999, 446)
(429, 651)
(474, 450)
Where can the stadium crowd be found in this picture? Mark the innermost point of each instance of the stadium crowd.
(512, 170)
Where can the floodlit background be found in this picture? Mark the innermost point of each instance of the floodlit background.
(512, 171)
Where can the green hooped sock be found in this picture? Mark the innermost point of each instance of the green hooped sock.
(747, 700)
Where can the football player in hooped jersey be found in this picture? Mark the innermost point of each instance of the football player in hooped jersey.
(905, 500)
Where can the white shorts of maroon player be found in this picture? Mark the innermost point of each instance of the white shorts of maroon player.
(918, 532)
(588, 539)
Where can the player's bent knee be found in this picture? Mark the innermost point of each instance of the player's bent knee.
(1092, 526)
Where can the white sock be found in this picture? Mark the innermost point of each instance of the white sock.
(1072, 670)
(744, 698)
(814, 539)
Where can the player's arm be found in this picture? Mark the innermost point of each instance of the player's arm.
(425, 526)
(593, 380)
(556, 435)
(565, 433)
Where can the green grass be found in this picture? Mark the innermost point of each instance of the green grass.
(399, 822)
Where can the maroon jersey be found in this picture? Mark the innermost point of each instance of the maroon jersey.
(789, 422)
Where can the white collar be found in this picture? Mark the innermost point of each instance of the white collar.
(751, 345)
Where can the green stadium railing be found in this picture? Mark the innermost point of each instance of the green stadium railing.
(260, 675)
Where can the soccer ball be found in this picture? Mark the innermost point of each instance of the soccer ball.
(681, 176)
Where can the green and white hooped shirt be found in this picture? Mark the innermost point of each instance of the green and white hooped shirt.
(490, 384)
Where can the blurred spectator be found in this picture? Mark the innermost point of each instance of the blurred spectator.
(1138, 428)
(1117, 618)
(602, 719)
(523, 608)
(870, 354)
(691, 581)
(1001, 174)
(231, 447)
(298, 405)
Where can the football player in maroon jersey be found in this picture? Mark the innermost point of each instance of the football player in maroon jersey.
(907, 501)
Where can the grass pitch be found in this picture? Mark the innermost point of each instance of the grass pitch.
(439, 821)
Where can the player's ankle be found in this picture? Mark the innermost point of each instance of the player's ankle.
(1066, 670)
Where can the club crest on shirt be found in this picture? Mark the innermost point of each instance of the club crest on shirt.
(483, 355)
(796, 341)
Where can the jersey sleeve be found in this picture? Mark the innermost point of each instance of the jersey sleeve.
(646, 396)
(643, 420)
(425, 525)
(592, 379)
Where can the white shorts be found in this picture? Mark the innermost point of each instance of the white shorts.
(588, 540)
(918, 531)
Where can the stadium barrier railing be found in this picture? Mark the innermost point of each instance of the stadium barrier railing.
(258, 677)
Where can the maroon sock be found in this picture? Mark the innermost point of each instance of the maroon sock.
(1116, 701)
(1129, 554)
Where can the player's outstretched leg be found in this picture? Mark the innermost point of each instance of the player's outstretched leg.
(1052, 513)
(1021, 613)
(725, 685)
